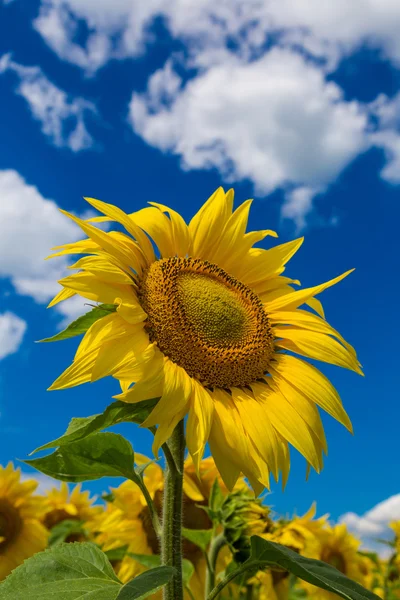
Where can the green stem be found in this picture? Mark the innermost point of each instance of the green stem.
(152, 509)
(218, 588)
(217, 543)
(171, 546)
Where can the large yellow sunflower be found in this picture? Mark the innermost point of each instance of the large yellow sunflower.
(207, 322)
(21, 532)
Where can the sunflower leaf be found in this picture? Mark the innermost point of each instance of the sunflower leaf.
(82, 324)
(66, 572)
(200, 537)
(316, 572)
(117, 412)
(63, 530)
(146, 583)
(98, 455)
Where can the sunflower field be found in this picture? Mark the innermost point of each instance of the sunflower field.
(210, 344)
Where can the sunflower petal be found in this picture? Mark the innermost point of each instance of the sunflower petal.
(92, 288)
(199, 422)
(207, 224)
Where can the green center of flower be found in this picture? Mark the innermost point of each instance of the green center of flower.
(206, 321)
(213, 310)
(10, 524)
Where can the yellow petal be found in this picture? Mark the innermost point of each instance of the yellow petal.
(131, 313)
(92, 288)
(180, 230)
(314, 384)
(103, 269)
(126, 256)
(288, 423)
(129, 350)
(316, 345)
(151, 385)
(231, 238)
(106, 328)
(175, 397)
(229, 442)
(316, 305)
(157, 225)
(304, 320)
(258, 426)
(87, 246)
(261, 264)
(63, 294)
(115, 213)
(296, 299)
(199, 422)
(79, 372)
(304, 407)
(207, 224)
(165, 430)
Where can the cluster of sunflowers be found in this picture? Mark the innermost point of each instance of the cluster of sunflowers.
(120, 524)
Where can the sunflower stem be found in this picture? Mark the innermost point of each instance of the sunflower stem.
(217, 543)
(171, 546)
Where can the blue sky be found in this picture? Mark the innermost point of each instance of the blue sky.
(298, 108)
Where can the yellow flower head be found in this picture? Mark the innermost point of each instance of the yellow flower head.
(206, 323)
(61, 504)
(301, 534)
(21, 532)
(339, 548)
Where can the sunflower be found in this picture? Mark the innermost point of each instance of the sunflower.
(338, 548)
(21, 532)
(301, 534)
(61, 504)
(208, 323)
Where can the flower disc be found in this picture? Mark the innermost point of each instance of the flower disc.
(206, 321)
(10, 524)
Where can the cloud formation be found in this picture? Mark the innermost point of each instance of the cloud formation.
(374, 524)
(29, 226)
(62, 117)
(12, 330)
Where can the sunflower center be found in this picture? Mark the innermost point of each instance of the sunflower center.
(206, 321)
(10, 524)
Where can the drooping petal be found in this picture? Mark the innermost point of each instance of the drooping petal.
(288, 423)
(199, 421)
(175, 397)
(151, 385)
(314, 384)
(316, 345)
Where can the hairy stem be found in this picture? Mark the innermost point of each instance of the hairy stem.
(152, 509)
(171, 546)
(216, 544)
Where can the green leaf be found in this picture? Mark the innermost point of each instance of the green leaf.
(154, 560)
(67, 572)
(98, 455)
(187, 571)
(146, 583)
(216, 497)
(264, 553)
(116, 553)
(82, 324)
(117, 412)
(63, 530)
(147, 560)
(200, 537)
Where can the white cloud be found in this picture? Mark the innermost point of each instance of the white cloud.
(121, 28)
(374, 524)
(29, 226)
(12, 330)
(62, 117)
(297, 205)
(274, 120)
